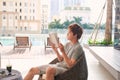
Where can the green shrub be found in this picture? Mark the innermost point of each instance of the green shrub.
(102, 43)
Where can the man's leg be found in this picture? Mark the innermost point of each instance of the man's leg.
(33, 71)
(50, 73)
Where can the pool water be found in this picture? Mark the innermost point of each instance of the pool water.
(7, 42)
(40, 39)
(11, 42)
(36, 40)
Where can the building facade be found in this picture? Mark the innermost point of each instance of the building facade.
(75, 11)
(45, 14)
(19, 16)
(59, 5)
(117, 25)
(73, 2)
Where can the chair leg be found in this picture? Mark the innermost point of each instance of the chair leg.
(40, 77)
(13, 48)
(29, 49)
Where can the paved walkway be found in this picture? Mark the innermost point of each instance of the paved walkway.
(96, 71)
(108, 57)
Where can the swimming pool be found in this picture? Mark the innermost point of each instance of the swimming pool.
(40, 39)
(36, 40)
(6, 41)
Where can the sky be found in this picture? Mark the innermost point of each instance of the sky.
(96, 7)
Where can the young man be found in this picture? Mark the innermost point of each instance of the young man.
(70, 54)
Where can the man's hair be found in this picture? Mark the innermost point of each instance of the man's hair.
(76, 29)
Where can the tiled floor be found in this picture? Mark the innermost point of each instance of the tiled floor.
(36, 57)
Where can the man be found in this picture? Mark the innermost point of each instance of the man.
(70, 54)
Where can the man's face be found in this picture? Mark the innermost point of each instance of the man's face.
(70, 35)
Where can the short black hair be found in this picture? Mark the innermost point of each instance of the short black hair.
(76, 29)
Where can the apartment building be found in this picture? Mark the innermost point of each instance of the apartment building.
(45, 13)
(117, 24)
(117, 13)
(20, 16)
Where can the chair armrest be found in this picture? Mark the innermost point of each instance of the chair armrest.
(73, 72)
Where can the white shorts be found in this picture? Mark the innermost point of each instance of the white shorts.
(58, 69)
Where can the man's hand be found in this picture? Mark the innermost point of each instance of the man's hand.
(61, 47)
(54, 47)
(60, 58)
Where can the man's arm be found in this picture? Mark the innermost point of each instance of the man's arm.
(70, 62)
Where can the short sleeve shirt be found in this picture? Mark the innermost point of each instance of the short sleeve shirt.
(72, 51)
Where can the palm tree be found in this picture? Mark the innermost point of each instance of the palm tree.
(108, 28)
(67, 23)
(77, 20)
(55, 24)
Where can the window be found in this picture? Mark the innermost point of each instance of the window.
(16, 27)
(16, 17)
(4, 17)
(9, 34)
(4, 10)
(117, 9)
(4, 3)
(33, 11)
(3, 34)
(20, 10)
(20, 4)
(16, 4)
(20, 17)
(15, 10)
(25, 28)
(25, 18)
(117, 17)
